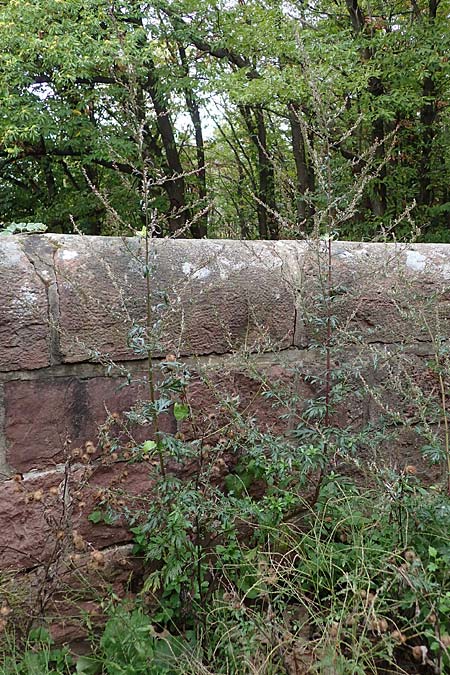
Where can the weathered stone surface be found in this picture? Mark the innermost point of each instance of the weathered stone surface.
(40, 252)
(69, 592)
(46, 419)
(29, 519)
(40, 514)
(225, 399)
(82, 580)
(24, 332)
(209, 296)
(75, 299)
(381, 293)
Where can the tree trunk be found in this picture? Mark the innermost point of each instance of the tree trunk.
(375, 87)
(199, 229)
(266, 206)
(174, 185)
(428, 115)
(305, 174)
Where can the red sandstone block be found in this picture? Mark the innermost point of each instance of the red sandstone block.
(24, 329)
(224, 400)
(81, 583)
(26, 537)
(48, 513)
(46, 419)
(209, 296)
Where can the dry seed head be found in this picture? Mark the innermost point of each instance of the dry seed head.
(445, 639)
(90, 447)
(271, 579)
(382, 625)
(5, 611)
(411, 469)
(38, 495)
(54, 490)
(410, 556)
(78, 541)
(432, 618)
(419, 653)
(351, 620)
(2, 624)
(98, 557)
(398, 636)
(333, 630)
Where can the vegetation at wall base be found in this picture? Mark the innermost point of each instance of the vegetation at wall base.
(343, 588)
(260, 555)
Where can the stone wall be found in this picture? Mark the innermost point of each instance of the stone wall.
(242, 312)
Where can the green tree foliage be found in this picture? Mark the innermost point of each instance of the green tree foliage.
(96, 96)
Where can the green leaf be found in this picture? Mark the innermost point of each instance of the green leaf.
(100, 517)
(40, 634)
(88, 665)
(96, 517)
(181, 411)
(148, 446)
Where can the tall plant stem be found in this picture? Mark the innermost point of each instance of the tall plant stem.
(443, 395)
(446, 428)
(150, 369)
(328, 338)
